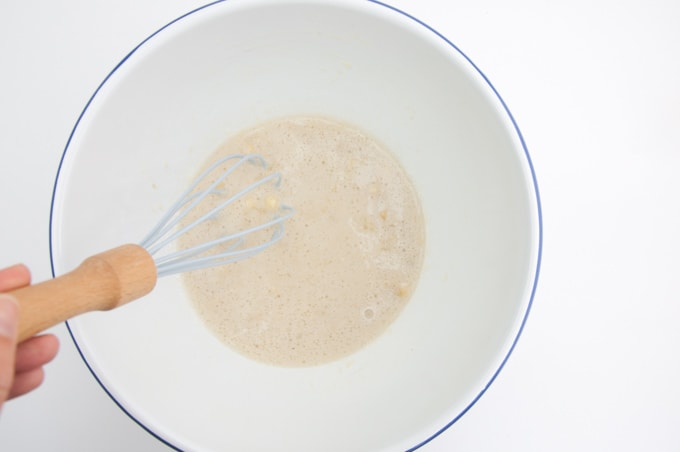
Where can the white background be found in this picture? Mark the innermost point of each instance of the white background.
(595, 88)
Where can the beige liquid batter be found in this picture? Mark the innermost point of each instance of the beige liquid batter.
(350, 257)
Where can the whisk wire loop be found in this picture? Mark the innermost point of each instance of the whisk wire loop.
(166, 231)
(178, 262)
(180, 209)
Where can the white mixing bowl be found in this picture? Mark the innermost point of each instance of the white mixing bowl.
(230, 65)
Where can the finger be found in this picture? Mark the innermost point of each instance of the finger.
(36, 352)
(14, 277)
(26, 382)
(9, 315)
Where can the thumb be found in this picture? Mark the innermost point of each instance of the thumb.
(9, 318)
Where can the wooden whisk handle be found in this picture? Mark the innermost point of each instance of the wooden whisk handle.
(102, 282)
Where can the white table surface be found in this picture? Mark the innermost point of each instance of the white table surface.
(595, 88)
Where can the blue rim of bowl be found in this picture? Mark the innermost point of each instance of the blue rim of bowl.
(505, 108)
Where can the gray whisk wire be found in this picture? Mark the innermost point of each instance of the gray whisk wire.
(166, 231)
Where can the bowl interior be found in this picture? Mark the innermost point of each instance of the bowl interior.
(230, 65)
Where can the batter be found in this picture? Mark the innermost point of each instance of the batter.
(350, 257)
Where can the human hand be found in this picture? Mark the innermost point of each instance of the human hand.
(21, 365)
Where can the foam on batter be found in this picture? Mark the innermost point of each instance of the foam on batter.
(350, 257)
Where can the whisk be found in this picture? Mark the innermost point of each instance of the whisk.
(112, 278)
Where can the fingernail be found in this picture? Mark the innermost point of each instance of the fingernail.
(9, 314)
